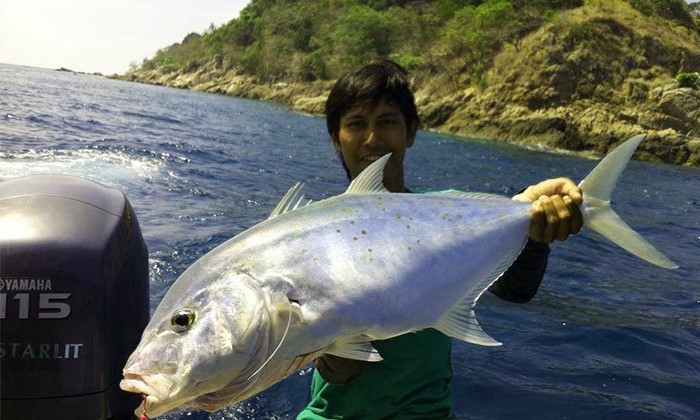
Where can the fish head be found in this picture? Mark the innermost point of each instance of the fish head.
(199, 342)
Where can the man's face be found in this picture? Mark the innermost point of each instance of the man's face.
(368, 133)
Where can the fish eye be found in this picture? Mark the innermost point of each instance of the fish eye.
(182, 320)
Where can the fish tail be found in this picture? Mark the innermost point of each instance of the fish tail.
(597, 189)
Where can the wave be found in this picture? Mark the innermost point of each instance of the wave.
(115, 168)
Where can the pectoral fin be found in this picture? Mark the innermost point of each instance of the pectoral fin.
(356, 350)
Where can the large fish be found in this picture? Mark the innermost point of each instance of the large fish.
(333, 275)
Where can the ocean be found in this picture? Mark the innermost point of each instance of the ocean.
(608, 336)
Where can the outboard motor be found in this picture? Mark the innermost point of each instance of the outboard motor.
(73, 298)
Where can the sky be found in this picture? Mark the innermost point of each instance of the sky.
(101, 36)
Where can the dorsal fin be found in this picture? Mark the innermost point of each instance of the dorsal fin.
(370, 180)
(293, 200)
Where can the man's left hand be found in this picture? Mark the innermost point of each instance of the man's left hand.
(555, 209)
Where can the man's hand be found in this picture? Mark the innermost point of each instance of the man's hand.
(555, 209)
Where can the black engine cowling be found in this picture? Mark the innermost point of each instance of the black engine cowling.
(74, 298)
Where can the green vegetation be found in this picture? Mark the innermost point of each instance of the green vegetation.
(304, 40)
(676, 10)
(691, 80)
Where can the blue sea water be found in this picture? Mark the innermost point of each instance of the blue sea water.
(607, 337)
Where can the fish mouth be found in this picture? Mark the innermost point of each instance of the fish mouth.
(154, 390)
(137, 384)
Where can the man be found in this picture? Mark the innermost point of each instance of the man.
(371, 112)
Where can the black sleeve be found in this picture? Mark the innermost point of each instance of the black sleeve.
(337, 370)
(521, 281)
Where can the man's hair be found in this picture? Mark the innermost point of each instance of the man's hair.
(367, 86)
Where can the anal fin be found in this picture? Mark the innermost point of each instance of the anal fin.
(461, 324)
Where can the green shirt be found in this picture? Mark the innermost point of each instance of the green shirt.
(412, 382)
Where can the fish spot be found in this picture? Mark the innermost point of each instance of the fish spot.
(354, 238)
(352, 222)
(337, 230)
(398, 216)
(364, 232)
(369, 250)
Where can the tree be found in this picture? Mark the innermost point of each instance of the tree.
(362, 34)
(475, 33)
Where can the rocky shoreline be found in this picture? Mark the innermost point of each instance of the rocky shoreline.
(670, 116)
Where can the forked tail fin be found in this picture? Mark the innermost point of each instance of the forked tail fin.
(597, 188)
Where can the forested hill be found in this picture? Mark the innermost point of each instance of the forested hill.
(570, 74)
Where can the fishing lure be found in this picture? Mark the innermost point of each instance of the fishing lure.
(144, 416)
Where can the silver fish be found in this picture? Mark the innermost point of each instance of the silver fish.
(333, 275)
